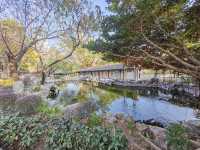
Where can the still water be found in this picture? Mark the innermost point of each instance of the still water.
(138, 105)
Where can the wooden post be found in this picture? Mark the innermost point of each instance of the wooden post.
(123, 74)
(120, 74)
(99, 76)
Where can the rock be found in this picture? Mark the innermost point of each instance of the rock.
(193, 128)
(7, 101)
(79, 109)
(159, 135)
(7, 97)
(156, 135)
(53, 103)
(28, 104)
(153, 123)
(119, 116)
(148, 133)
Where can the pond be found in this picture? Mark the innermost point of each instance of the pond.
(137, 104)
(141, 105)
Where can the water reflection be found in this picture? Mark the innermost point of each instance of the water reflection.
(139, 105)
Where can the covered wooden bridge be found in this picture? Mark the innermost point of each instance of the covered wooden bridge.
(113, 71)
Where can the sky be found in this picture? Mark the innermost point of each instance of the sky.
(102, 4)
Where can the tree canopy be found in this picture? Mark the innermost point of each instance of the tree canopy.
(159, 33)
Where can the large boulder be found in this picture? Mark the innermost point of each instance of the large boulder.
(28, 104)
(7, 100)
(155, 134)
(79, 109)
(8, 97)
(193, 128)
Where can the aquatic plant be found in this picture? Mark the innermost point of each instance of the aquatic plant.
(177, 137)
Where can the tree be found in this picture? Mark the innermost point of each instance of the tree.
(80, 20)
(34, 21)
(165, 32)
(40, 21)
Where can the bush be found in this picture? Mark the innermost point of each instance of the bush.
(177, 138)
(94, 120)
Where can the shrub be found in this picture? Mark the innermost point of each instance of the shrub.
(177, 138)
(94, 120)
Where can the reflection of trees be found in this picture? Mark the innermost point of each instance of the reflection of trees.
(106, 97)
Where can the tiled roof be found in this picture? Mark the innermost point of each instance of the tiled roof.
(104, 68)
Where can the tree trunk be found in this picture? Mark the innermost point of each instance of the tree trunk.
(13, 69)
(43, 77)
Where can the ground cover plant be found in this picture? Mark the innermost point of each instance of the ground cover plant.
(19, 132)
